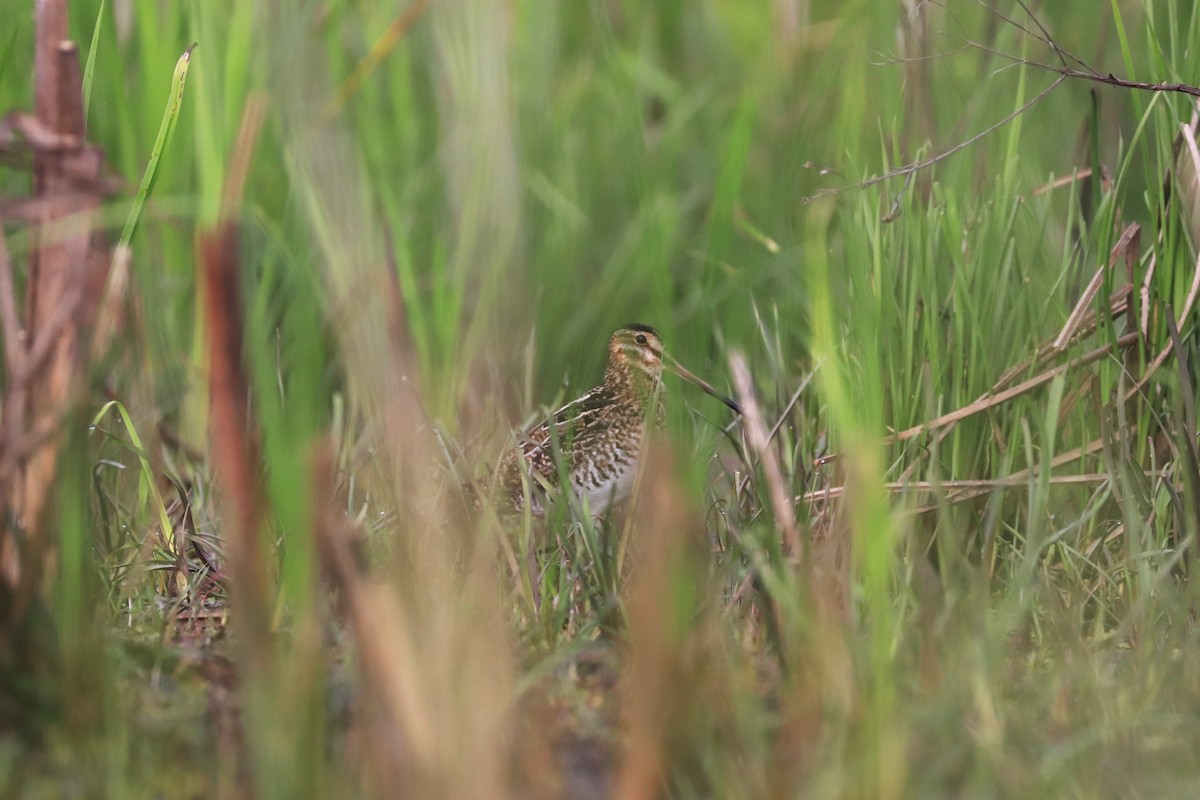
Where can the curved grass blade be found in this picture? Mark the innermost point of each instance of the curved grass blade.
(147, 484)
(170, 116)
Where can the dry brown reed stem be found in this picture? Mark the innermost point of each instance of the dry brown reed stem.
(784, 415)
(818, 685)
(43, 352)
(1083, 319)
(253, 114)
(1082, 322)
(235, 451)
(397, 715)
(431, 620)
(968, 488)
(434, 664)
(234, 434)
(1189, 136)
(440, 682)
(1184, 181)
(384, 45)
(661, 679)
(110, 314)
(992, 400)
(443, 624)
(760, 443)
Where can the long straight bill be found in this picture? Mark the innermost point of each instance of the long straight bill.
(688, 376)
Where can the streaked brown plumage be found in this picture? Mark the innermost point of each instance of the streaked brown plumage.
(600, 435)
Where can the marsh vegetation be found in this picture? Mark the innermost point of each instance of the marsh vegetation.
(269, 302)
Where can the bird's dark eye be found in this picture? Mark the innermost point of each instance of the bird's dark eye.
(640, 339)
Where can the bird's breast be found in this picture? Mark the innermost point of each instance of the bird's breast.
(605, 473)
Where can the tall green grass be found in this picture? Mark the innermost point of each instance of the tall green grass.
(434, 247)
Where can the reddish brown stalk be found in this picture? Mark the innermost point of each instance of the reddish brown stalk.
(235, 449)
(235, 452)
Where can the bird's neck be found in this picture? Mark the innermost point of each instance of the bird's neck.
(623, 377)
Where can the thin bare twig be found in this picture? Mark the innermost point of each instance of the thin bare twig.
(1062, 54)
(1091, 75)
(925, 163)
(1189, 303)
(1082, 71)
(885, 60)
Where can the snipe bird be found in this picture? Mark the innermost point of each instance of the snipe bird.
(598, 436)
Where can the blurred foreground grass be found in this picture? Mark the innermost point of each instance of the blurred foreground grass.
(445, 210)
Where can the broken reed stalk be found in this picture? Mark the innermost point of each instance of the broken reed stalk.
(68, 265)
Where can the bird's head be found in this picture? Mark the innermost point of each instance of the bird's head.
(637, 351)
(635, 354)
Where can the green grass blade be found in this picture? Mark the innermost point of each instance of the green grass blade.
(149, 484)
(170, 115)
(89, 69)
